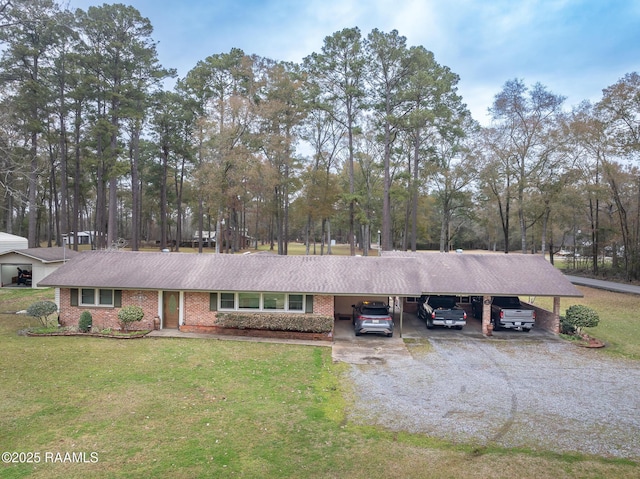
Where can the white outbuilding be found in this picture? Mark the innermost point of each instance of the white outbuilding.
(26, 267)
(10, 242)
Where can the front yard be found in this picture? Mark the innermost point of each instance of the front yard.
(190, 408)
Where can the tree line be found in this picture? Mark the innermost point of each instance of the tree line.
(365, 141)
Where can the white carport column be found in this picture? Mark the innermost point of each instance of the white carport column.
(486, 316)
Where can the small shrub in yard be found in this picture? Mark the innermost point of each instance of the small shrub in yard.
(86, 321)
(565, 327)
(128, 315)
(580, 316)
(42, 310)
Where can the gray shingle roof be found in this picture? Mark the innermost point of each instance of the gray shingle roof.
(46, 255)
(399, 274)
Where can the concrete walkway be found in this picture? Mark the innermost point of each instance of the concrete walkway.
(606, 285)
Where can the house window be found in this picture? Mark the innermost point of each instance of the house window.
(227, 301)
(273, 301)
(296, 302)
(106, 297)
(88, 296)
(262, 301)
(97, 297)
(248, 300)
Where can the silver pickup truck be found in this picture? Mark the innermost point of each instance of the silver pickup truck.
(507, 312)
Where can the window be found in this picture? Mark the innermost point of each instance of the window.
(88, 296)
(227, 301)
(262, 302)
(273, 301)
(248, 300)
(106, 297)
(295, 302)
(100, 297)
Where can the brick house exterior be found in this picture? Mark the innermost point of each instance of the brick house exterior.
(196, 313)
(107, 317)
(198, 287)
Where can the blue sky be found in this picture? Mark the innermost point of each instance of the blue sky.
(573, 47)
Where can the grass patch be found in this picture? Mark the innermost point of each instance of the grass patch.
(418, 347)
(619, 315)
(187, 408)
(292, 249)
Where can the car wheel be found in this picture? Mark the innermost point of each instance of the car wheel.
(496, 327)
(429, 323)
(389, 335)
(458, 328)
(358, 333)
(526, 330)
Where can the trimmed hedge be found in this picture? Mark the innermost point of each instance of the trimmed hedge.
(304, 323)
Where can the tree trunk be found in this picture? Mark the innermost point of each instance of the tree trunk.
(33, 184)
(134, 155)
(414, 194)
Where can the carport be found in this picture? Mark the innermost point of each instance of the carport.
(488, 275)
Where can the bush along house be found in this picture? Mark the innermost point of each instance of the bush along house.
(287, 296)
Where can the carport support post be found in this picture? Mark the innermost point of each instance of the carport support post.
(401, 314)
(486, 315)
(555, 326)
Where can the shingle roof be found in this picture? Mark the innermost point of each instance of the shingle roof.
(492, 274)
(401, 274)
(46, 255)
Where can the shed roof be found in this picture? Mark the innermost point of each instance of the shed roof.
(393, 275)
(45, 255)
(9, 242)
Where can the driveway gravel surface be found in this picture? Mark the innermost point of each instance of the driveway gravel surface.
(541, 394)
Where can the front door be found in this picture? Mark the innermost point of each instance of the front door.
(170, 309)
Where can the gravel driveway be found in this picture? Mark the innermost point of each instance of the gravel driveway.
(545, 395)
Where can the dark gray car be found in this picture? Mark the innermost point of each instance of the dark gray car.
(372, 317)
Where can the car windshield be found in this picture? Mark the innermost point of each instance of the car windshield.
(374, 311)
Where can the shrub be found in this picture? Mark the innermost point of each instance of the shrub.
(565, 327)
(580, 316)
(128, 315)
(306, 323)
(86, 321)
(42, 310)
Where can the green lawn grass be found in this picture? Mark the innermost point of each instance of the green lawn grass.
(293, 249)
(619, 315)
(189, 408)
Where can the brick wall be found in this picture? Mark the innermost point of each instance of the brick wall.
(323, 305)
(196, 309)
(107, 317)
(548, 320)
